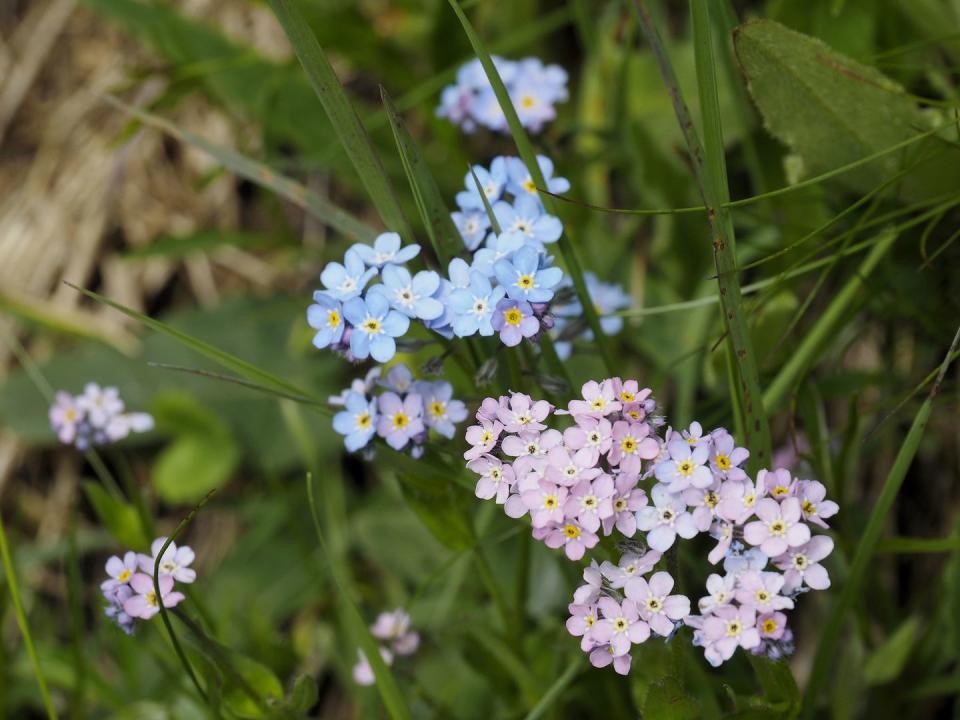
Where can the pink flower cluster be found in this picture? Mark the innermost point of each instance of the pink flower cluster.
(130, 592)
(393, 630)
(576, 483)
(588, 479)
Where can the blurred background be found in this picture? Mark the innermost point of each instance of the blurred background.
(144, 215)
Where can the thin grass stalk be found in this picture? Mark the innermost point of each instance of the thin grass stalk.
(75, 603)
(830, 635)
(709, 169)
(529, 157)
(21, 616)
(553, 693)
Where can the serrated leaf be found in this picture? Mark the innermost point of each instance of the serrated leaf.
(667, 699)
(887, 661)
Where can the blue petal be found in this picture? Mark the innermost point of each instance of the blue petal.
(360, 345)
(465, 325)
(377, 304)
(425, 282)
(407, 254)
(395, 324)
(333, 274)
(395, 277)
(428, 308)
(388, 242)
(549, 277)
(355, 310)
(505, 272)
(383, 347)
(460, 301)
(343, 422)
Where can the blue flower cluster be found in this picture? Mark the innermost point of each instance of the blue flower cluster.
(534, 89)
(402, 414)
(569, 325)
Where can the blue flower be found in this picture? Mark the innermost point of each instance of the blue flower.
(527, 217)
(473, 307)
(413, 296)
(498, 247)
(358, 422)
(347, 281)
(441, 324)
(327, 317)
(399, 379)
(523, 279)
(607, 298)
(386, 250)
(520, 182)
(440, 411)
(459, 273)
(492, 181)
(375, 326)
(473, 226)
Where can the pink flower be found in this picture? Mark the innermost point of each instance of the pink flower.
(544, 500)
(771, 625)
(482, 438)
(778, 528)
(590, 502)
(812, 503)
(588, 593)
(685, 467)
(121, 571)
(496, 478)
(628, 391)
(778, 484)
(738, 500)
(532, 443)
(566, 468)
(521, 413)
(705, 502)
(174, 562)
(723, 532)
(490, 408)
(582, 619)
(604, 655)
(630, 566)
(363, 673)
(655, 603)
(761, 590)
(589, 434)
(725, 458)
(620, 627)
(630, 445)
(694, 436)
(572, 537)
(394, 627)
(721, 589)
(65, 415)
(726, 630)
(627, 499)
(598, 400)
(145, 604)
(667, 519)
(801, 565)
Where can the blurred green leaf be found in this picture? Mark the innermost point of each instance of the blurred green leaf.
(779, 686)
(260, 679)
(193, 465)
(119, 517)
(888, 660)
(667, 699)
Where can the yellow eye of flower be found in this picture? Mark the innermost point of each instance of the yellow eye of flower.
(124, 575)
(723, 462)
(437, 409)
(780, 491)
(769, 626)
(628, 445)
(525, 281)
(627, 396)
(571, 531)
(529, 186)
(598, 403)
(685, 468)
(527, 102)
(777, 527)
(400, 420)
(512, 316)
(733, 628)
(333, 319)
(364, 420)
(711, 499)
(550, 502)
(653, 604)
(152, 598)
(487, 437)
(809, 508)
(371, 326)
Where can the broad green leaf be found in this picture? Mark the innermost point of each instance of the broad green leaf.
(193, 465)
(260, 679)
(887, 661)
(304, 693)
(433, 211)
(118, 516)
(667, 699)
(779, 686)
(346, 123)
(831, 110)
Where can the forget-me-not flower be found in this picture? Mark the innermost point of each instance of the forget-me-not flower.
(473, 226)
(412, 295)
(357, 422)
(526, 216)
(523, 279)
(346, 281)
(386, 250)
(473, 306)
(375, 326)
(498, 247)
(520, 182)
(326, 317)
(492, 182)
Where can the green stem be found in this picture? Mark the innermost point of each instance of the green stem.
(21, 615)
(493, 587)
(75, 601)
(553, 693)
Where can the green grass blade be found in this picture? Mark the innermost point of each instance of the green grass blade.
(529, 157)
(440, 228)
(826, 326)
(258, 173)
(346, 123)
(385, 681)
(221, 357)
(830, 636)
(709, 169)
(553, 693)
(11, 576)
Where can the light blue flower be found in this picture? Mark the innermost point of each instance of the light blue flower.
(527, 217)
(492, 181)
(399, 379)
(498, 247)
(440, 411)
(346, 281)
(413, 296)
(386, 250)
(357, 422)
(607, 298)
(473, 307)
(533, 103)
(523, 279)
(473, 226)
(442, 324)
(459, 273)
(326, 316)
(520, 182)
(552, 79)
(375, 326)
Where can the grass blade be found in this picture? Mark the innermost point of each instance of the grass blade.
(346, 123)
(552, 695)
(385, 681)
(443, 234)
(529, 157)
(710, 172)
(258, 173)
(830, 637)
(11, 577)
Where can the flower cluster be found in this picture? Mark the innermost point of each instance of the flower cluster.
(392, 629)
(130, 591)
(587, 479)
(402, 414)
(95, 417)
(534, 89)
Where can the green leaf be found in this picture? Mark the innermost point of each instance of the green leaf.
(259, 678)
(831, 110)
(887, 661)
(443, 234)
(779, 686)
(193, 465)
(346, 123)
(304, 693)
(440, 508)
(119, 517)
(668, 700)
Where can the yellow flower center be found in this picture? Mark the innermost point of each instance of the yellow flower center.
(598, 403)
(124, 575)
(371, 326)
(777, 527)
(627, 396)
(780, 491)
(620, 624)
(654, 604)
(733, 628)
(749, 499)
(529, 186)
(486, 437)
(70, 414)
(400, 420)
(723, 462)
(527, 102)
(550, 502)
(691, 441)
(685, 468)
(364, 420)
(800, 562)
(769, 626)
(633, 414)
(762, 596)
(525, 282)
(589, 620)
(437, 409)
(333, 319)
(571, 531)
(809, 508)
(711, 499)
(152, 598)
(628, 445)
(620, 505)
(512, 316)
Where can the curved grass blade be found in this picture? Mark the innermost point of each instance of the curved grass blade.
(529, 157)
(443, 234)
(11, 577)
(830, 636)
(258, 173)
(553, 693)
(346, 123)
(221, 357)
(385, 681)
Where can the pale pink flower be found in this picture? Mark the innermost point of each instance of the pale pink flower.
(496, 478)
(771, 625)
(589, 434)
(722, 531)
(522, 413)
(120, 570)
(490, 408)
(620, 627)
(627, 500)
(65, 416)
(777, 484)
(590, 502)
(655, 603)
(598, 400)
(761, 590)
(704, 501)
(726, 630)
(588, 593)
(694, 435)
(604, 655)
(394, 628)
(482, 438)
(726, 458)
(628, 391)
(779, 527)
(630, 566)
(175, 561)
(544, 500)
(566, 468)
(685, 467)
(631, 444)
(722, 592)
(582, 619)
(738, 500)
(752, 559)
(801, 565)
(572, 537)
(811, 494)
(665, 520)
(145, 603)
(363, 673)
